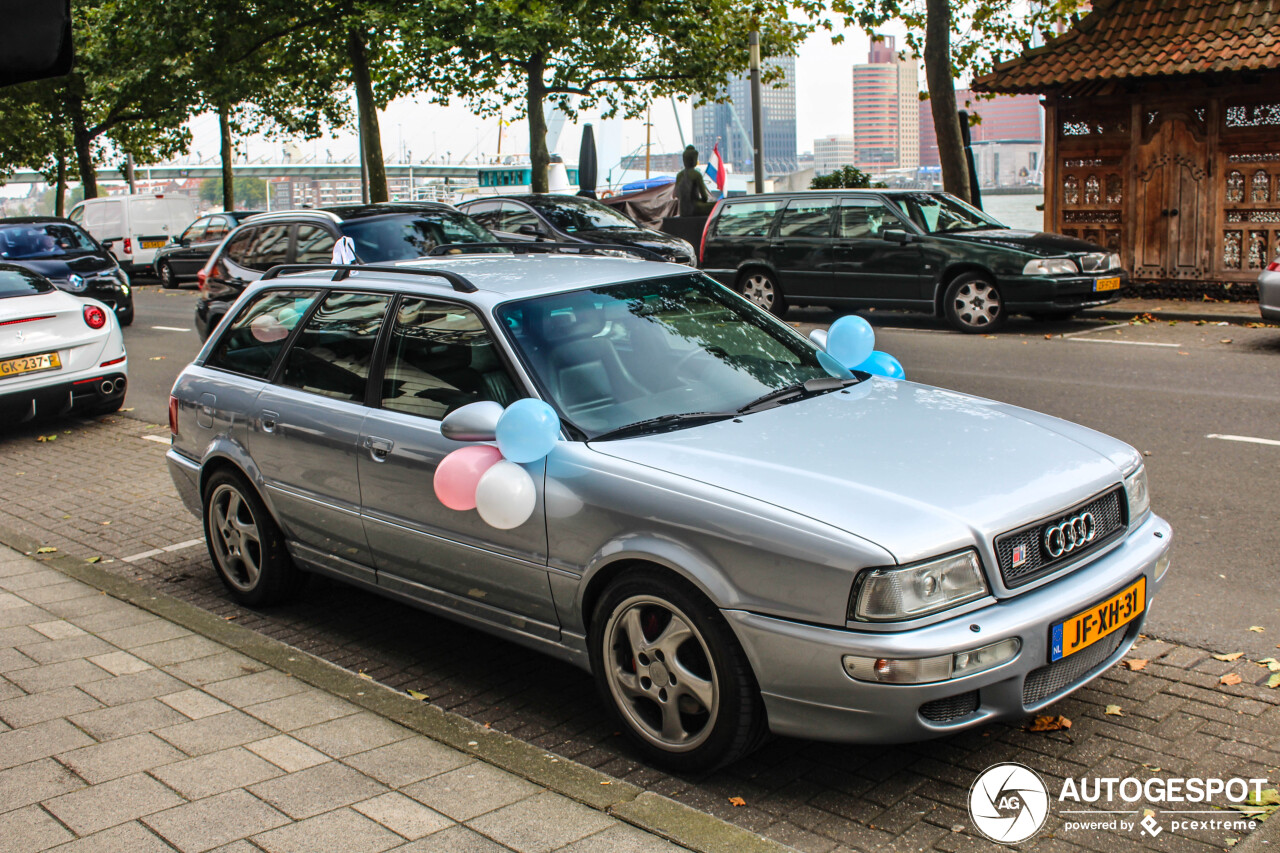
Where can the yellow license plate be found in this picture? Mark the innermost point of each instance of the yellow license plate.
(1086, 628)
(157, 244)
(29, 364)
(1107, 284)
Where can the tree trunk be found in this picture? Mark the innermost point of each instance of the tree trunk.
(942, 98)
(539, 157)
(370, 135)
(60, 181)
(84, 148)
(228, 154)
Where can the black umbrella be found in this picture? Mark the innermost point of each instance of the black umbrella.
(587, 163)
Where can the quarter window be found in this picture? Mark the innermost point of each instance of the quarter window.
(219, 226)
(195, 231)
(441, 357)
(315, 245)
(259, 332)
(806, 217)
(332, 353)
(238, 249)
(270, 248)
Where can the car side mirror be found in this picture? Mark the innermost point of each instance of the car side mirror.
(472, 422)
(819, 338)
(529, 230)
(894, 235)
(107, 244)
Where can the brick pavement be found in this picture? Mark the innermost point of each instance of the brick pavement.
(1177, 718)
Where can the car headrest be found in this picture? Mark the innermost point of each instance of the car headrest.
(582, 321)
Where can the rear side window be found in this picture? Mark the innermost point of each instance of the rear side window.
(270, 249)
(219, 227)
(332, 353)
(864, 218)
(315, 245)
(806, 217)
(22, 283)
(259, 332)
(238, 248)
(747, 219)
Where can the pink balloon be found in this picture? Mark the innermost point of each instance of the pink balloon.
(459, 473)
(267, 329)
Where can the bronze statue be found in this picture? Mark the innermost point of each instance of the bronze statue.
(691, 192)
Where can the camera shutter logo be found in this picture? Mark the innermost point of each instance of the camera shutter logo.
(1008, 803)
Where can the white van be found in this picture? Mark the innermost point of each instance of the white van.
(135, 225)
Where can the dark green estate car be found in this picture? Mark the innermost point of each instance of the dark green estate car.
(901, 249)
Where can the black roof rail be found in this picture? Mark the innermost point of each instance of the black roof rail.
(565, 248)
(342, 271)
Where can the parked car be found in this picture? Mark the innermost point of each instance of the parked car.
(379, 232)
(901, 249)
(730, 536)
(571, 219)
(58, 353)
(62, 252)
(1269, 289)
(132, 227)
(188, 252)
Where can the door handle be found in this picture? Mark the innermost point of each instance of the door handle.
(379, 448)
(268, 420)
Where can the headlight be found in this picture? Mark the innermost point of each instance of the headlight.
(1135, 486)
(1051, 266)
(1113, 261)
(123, 278)
(886, 595)
(926, 670)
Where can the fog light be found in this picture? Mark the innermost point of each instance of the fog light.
(1162, 565)
(931, 669)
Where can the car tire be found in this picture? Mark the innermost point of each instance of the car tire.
(973, 304)
(125, 317)
(761, 287)
(167, 279)
(245, 543)
(684, 692)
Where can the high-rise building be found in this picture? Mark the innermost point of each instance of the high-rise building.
(1004, 118)
(730, 123)
(886, 112)
(831, 153)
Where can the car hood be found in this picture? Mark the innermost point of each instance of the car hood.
(918, 470)
(640, 237)
(1039, 243)
(57, 269)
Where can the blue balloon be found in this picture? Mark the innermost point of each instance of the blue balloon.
(850, 340)
(527, 430)
(833, 367)
(882, 364)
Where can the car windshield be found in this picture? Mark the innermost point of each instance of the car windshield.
(623, 354)
(21, 283)
(410, 235)
(43, 240)
(570, 214)
(938, 213)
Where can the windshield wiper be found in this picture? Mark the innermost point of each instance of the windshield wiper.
(640, 427)
(809, 386)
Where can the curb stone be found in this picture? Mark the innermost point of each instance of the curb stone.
(661, 816)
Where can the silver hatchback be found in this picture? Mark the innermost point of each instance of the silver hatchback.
(731, 538)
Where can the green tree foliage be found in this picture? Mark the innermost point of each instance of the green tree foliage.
(581, 55)
(249, 191)
(846, 177)
(35, 135)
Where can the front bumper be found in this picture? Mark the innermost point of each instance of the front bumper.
(1028, 293)
(808, 694)
(1269, 295)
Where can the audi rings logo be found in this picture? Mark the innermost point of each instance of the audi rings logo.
(1066, 536)
(1008, 803)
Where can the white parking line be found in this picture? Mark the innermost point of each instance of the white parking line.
(1086, 331)
(169, 329)
(1126, 343)
(1247, 438)
(158, 439)
(190, 543)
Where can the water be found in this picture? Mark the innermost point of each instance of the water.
(1016, 211)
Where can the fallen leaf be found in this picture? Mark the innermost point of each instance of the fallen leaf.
(47, 549)
(1136, 664)
(1049, 724)
(421, 697)
(1114, 711)
(606, 783)
(130, 409)
(1229, 657)
(1225, 341)
(44, 438)
(1230, 679)
(105, 523)
(1153, 768)
(157, 358)
(366, 676)
(1274, 681)
(94, 560)
(737, 801)
(1257, 629)
(1048, 337)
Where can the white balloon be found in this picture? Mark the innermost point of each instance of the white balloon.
(819, 337)
(505, 495)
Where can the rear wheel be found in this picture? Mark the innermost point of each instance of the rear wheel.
(245, 543)
(167, 279)
(973, 304)
(760, 287)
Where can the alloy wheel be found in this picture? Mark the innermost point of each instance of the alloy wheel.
(236, 541)
(977, 304)
(758, 287)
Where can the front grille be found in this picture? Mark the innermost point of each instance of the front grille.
(1108, 512)
(1070, 671)
(951, 708)
(1095, 262)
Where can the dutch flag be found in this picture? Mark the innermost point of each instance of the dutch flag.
(715, 168)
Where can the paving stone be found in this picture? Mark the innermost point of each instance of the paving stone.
(194, 703)
(215, 821)
(623, 838)
(58, 629)
(127, 719)
(215, 773)
(18, 635)
(36, 781)
(34, 708)
(288, 753)
(407, 761)
(256, 688)
(301, 709)
(178, 650)
(542, 823)
(134, 687)
(403, 815)
(9, 601)
(9, 690)
(31, 580)
(120, 663)
(470, 791)
(153, 631)
(124, 616)
(38, 679)
(317, 789)
(12, 616)
(70, 648)
(455, 839)
(131, 837)
(30, 828)
(349, 735)
(238, 847)
(12, 659)
(342, 831)
(52, 593)
(209, 734)
(110, 803)
(39, 741)
(217, 667)
(117, 758)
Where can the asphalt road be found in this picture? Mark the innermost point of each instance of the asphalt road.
(1164, 388)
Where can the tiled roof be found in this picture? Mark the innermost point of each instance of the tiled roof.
(1148, 38)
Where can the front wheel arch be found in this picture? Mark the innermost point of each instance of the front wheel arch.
(949, 275)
